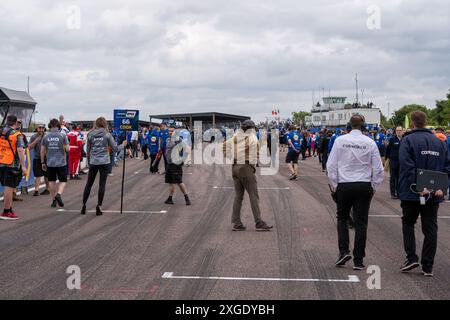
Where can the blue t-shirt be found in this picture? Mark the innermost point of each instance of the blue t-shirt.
(165, 137)
(296, 140)
(153, 141)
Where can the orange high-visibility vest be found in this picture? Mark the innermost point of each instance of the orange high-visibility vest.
(6, 154)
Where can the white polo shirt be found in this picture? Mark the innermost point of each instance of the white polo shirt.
(355, 158)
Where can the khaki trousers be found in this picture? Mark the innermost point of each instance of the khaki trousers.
(244, 177)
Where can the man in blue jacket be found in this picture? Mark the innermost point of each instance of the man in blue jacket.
(164, 138)
(333, 139)
(420, 149)
(392, 154)
(448, 145)
(380, 139)
(153, 145)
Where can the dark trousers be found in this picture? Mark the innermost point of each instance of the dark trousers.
(303, 153)
(145, 151)
(152, 162)
(428, 214)
(324, 161)
(356, 196)
(134, 149)
(309, 151)
(320, 155)
(394, 169)
(93, 170)
(112, 162)
(156, 165)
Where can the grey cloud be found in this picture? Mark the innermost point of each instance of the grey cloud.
(235, 56)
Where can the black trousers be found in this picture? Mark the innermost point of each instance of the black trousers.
(144, 151)
(93, 170)
(428, 214)
(134, 149)
(152, 162)
(156, 165)
(324, 161)
(303, 153)
(394, 169)
(356, 196)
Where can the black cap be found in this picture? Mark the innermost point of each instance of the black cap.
(248, 124)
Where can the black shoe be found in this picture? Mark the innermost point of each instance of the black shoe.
(98, 211)
(409, 265)
(71, 178)
(59, 200)
(427, 272)
(45, 193)
(36, 194)
(359, 266)
(262, 226)
(83, 210)
(169, 201)
(394, 197)
(342, 260)
(54, 204)
(77, 177)
(188, 201)
(239, 227)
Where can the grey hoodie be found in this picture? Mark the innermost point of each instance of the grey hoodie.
(98, 143)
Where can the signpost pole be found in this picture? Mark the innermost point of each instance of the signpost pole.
(123, 175)
(124, 122)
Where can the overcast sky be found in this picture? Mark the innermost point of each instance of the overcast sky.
(243, 57)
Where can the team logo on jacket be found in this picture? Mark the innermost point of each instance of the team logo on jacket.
(153, 139)
(295, 137)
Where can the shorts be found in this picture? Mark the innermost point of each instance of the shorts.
(8, 178)
(174, 174)
(37, 169)
(57, 173)
(292, 156)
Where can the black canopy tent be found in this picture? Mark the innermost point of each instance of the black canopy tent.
(18, 103)
(209, 119)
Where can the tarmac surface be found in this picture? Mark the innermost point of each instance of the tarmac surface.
(158, 251)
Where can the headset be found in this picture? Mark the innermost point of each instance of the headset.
(363, 125)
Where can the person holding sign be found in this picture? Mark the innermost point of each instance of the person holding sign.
(99, 140)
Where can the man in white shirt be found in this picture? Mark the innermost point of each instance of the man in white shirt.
(355, 172)
(135, 143)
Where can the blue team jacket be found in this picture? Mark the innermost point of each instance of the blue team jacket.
(420, 149)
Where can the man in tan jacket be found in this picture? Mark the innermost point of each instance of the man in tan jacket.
(243, 150)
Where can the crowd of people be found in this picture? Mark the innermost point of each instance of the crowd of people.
(58, 154)
(354, 160)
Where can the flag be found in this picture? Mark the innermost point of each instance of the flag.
(407, 122)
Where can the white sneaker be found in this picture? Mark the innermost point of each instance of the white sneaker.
(110, 174)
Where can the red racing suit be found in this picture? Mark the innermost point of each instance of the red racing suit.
(75, 145)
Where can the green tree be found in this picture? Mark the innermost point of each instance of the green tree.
(298, 117)
(441, 114)
(399, 116)
(385, 122)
